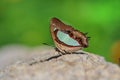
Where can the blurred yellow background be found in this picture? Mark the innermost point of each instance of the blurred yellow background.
(26, 22)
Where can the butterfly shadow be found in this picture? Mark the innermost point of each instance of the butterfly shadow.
(61, 54)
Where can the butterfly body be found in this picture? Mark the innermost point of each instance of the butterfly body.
(66, 38)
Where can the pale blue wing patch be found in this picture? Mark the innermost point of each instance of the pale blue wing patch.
(63, 37)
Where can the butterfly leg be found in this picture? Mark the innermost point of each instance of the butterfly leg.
(67, 52)
(59, 52)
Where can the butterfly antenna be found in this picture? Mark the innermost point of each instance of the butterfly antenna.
(86, 33)
(88, 38)
(48, 44)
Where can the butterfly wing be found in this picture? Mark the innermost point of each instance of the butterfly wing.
(65, 37)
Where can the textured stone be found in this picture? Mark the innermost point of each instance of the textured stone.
(46, 64)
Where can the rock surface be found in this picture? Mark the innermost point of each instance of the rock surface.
(48, 65)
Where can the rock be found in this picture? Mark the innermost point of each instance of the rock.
(46, 64)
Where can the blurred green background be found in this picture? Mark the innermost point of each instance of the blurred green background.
(26, 22)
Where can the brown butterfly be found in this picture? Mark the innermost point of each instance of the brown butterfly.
(66, 38)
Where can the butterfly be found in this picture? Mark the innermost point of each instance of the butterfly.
(66, 38)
